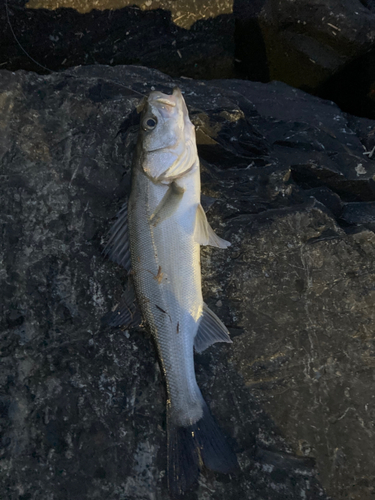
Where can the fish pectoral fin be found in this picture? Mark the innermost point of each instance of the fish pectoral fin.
(118, 245)
(168, 204)
(211, 330)
(126, 313)
(204, 234)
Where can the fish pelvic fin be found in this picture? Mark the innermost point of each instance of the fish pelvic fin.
(189, 448)
(204, 234)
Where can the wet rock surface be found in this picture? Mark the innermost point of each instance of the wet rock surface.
(39, 39)
(82, 406)
(184, 13)
(326, 48)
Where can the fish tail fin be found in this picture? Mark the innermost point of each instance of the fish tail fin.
(183, 460)
(190, 447)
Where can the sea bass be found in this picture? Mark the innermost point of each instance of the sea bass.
(157, 238)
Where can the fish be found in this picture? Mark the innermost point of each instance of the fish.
(156, 237)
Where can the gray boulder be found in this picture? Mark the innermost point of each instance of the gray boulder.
(178, 38)
(325, 48)
(287, 181)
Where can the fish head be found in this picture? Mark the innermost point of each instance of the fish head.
(167, 137)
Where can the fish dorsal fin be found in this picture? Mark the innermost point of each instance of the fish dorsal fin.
(126, 313)
(211, 330)
(204, 234)
(168, 204)
(118, 245)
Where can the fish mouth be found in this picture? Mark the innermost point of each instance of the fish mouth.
(168, 100)
(162, 100)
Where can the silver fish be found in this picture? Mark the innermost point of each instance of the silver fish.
(157, 238)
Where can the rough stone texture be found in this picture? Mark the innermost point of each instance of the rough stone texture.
(198, 47)
(82, 406)
(184, 13)
(326, 48)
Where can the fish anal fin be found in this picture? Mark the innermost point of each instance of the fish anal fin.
(204, 234)
(207, 201)
(168, 205)
(117, 247)
(126, 313)
(211, 330)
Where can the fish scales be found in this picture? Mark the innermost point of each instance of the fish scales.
(169, 246)
(166, 225)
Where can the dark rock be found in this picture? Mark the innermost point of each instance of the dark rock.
(328, 198)
(326, 48)
(359, 213)
(82, 406)
(41, 40)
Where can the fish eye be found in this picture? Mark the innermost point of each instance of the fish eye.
(150, 123)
